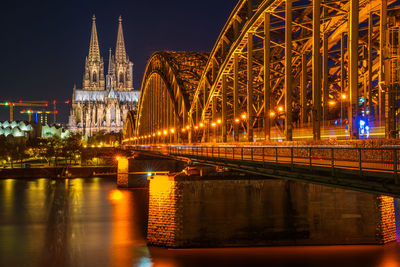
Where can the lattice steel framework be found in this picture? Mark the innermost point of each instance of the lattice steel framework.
(277, 69)
(168, 86)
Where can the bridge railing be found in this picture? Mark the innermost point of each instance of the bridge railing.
(363, 160)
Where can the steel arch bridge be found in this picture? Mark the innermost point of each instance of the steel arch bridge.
(279, 70)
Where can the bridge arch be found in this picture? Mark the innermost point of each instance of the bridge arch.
(167, 89)
(286, 69)
(129, 126)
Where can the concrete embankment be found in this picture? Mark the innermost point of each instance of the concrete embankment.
(58, 172)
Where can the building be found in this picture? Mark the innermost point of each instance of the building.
(26, 129)
(104, 100)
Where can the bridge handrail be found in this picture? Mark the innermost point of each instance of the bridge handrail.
(364, 160)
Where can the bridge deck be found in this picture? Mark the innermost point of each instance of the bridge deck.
(373, 170)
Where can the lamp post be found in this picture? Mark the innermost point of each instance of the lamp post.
(342, 98)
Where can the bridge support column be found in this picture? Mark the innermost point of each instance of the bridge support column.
(236, 97)
(382, 59)
(205, 126)
(267, 81)
(316, 70)
(325, 74)
(214, 119)
(288, 70)
(303, 90)
(353, 67)
(190, 123)
(343, 94)
(250, 87)
(223, 116)
(371, 108)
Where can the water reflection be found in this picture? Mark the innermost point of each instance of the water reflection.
(89, 222)
(70, 223)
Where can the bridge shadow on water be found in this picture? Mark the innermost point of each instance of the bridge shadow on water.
(89, 222)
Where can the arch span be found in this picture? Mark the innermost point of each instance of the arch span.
(168, 85)
(285, 69)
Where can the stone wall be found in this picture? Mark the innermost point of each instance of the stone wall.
(188, 212)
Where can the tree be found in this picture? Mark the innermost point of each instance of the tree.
(72, 147)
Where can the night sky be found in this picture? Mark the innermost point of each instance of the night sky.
(44, 43)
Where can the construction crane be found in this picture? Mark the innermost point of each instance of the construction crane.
(30, 112)
(55, 111)
(21, 103)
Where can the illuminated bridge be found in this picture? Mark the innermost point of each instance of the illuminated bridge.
(306, 73)
(283, 71)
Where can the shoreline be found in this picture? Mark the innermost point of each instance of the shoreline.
(60, 172)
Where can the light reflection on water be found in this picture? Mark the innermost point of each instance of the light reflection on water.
(89, 222)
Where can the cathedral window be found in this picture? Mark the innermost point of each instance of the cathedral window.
(94, 77)
(121, 77)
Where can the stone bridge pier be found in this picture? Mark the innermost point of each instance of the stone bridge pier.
(133, 170)
(216, 207)
(229, 209)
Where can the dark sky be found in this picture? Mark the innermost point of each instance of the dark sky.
(43, 43)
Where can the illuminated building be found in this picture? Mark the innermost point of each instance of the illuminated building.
(104, 101)
(30, 129)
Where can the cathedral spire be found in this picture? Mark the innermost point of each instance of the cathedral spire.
(120, 52)
(94, 50)
(110, 63)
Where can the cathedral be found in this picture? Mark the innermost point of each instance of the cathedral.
(103, 102)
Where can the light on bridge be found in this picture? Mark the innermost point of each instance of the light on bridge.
(244, 116)
(237, 120)
(196, 127)
(213, 124)
(187, 127)
(332, 103)
(201, 125)
(344, 96)
(219, 121)
(280, 108)
(159, 133)
(165, 132)
(272, 114)
(183, 130)
(172, 130)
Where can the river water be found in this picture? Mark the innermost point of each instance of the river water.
(89, 222)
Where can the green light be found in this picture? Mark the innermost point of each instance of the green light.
(6, 103)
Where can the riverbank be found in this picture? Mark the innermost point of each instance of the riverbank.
(58, 172)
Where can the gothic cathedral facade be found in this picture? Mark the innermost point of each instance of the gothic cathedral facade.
(103, 102)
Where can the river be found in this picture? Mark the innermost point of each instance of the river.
(89, 222)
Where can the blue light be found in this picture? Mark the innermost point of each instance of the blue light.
(149, 174)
